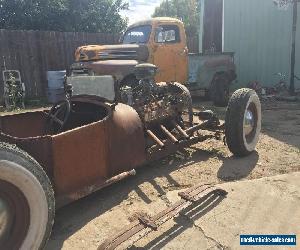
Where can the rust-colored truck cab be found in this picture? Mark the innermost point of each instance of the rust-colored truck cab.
(160, 41)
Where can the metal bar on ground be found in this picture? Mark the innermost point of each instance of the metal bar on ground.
(144, 225)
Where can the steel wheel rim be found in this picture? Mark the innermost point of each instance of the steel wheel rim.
(6, 219)
(14, 216)
(250, 123)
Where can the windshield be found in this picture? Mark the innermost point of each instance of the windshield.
(138, 34)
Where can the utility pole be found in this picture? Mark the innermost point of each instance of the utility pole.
(176, 5)
(293, 52)
(167, 5)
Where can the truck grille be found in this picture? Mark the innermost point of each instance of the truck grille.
(117, 54)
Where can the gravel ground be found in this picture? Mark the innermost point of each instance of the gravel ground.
(86, 223)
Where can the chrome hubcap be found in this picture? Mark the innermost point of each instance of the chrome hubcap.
(5, 219)
(248, 122)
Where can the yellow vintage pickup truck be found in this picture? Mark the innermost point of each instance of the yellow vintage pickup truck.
(162, 42)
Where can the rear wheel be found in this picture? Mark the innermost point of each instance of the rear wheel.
(26, 201)
(243, 122)
(219, 91)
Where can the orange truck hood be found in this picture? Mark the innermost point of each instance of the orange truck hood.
(111, 52)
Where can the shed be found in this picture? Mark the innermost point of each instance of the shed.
(259, 32)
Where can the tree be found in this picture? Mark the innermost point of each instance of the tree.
(63, 15)
(185, 10)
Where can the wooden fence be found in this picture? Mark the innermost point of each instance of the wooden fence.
(34, 53)
(193, 44)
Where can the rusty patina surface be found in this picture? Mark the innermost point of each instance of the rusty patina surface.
(27, 131)
(205, 67)
(117, 68)
(85, 157)
(109, 52)
(101, 141)
(170, 58)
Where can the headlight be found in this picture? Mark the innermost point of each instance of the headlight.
(82, 56)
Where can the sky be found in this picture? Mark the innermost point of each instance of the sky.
(140, 9)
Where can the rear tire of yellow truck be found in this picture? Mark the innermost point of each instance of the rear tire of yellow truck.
(26, 201)
(219, 91)
(243, 122)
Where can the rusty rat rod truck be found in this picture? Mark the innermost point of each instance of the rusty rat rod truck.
(49, 158)
(162, 42)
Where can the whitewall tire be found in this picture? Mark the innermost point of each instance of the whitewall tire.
(26, 201)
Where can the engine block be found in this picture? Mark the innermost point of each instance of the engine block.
(154, 102)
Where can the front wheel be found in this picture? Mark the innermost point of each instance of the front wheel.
(26, 201)
(243, 122)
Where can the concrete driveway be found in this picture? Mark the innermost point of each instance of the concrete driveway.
(262, 206)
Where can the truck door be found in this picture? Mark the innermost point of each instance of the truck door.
(170, 53)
